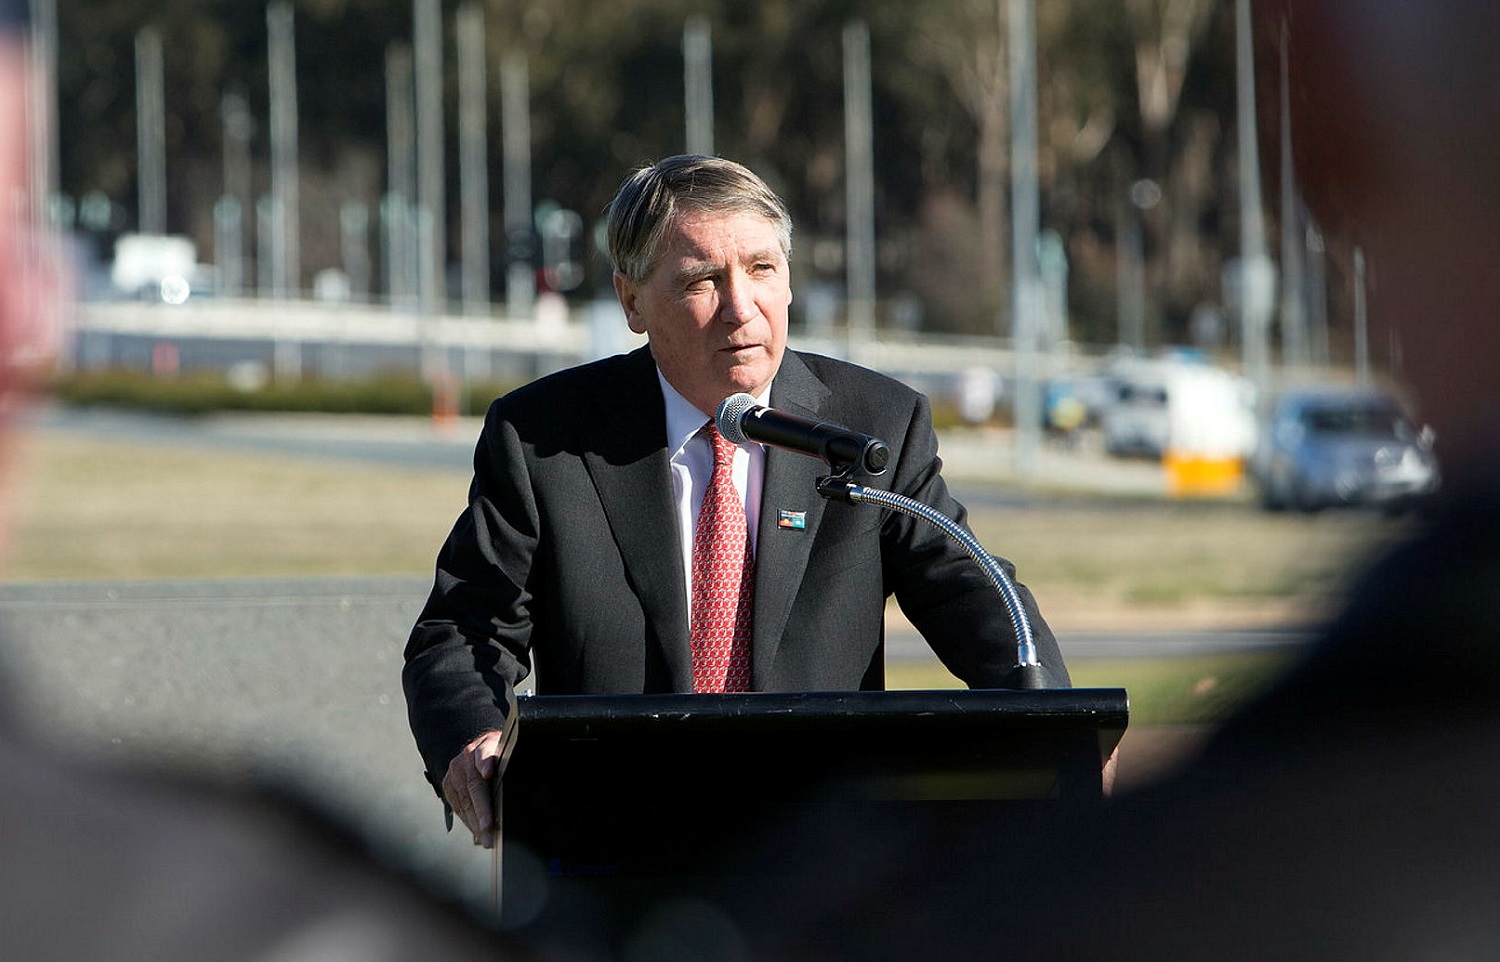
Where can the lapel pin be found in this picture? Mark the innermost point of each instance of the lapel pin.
(796, 520)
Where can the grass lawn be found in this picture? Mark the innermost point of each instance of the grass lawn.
(113, 510)
(1163, 691)
(104, 510)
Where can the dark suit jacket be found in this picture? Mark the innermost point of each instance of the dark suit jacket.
(568, 557)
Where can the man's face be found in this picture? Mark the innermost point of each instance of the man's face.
(714, 307)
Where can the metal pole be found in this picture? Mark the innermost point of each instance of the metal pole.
(1317, 286)
(515, 117)
(1026, 223)
(43, 108)
(229, 251)
(151, 140)
(698, 81)
(1258, 278)
(234, 115)
(859, 142)
(1361, 322)
(265, 234)
(1130, 279)
(401, 268)
(473, 159)
(286, 274)
(431, 199)
(1293, 290)
(354, 243)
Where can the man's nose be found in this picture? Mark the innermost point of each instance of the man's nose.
(738, 300)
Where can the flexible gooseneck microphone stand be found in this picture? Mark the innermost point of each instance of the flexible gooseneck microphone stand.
(1027, 672)
(740, 419)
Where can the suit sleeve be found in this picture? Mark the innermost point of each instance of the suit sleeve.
(471, 645)
(939, 587)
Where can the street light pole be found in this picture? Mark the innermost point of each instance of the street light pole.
(236, 204)
(1294, 351)
(1361, 322)
(515, 117)
(859, 187)
(1257, 279)
(151, 148)
(432, 223)
(1025, 226)
(43, 108)
(473, 132)
(286, 254)
(697, 60)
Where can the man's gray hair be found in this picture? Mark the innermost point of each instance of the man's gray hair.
(653, 196)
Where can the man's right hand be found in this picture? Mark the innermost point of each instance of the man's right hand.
(467, 786)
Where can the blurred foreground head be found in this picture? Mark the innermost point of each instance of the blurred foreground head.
(31, 279)
(14, 186)
(1396, 135)
(16, 279)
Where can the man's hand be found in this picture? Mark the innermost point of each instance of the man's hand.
(467, 786)
(1107, 775)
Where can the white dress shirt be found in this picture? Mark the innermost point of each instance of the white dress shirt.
(692, 462)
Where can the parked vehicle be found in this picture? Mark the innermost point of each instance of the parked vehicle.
(1330, 448)
(1160, 407)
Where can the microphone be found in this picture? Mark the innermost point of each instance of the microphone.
(740, 419)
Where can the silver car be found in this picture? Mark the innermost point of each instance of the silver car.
(1331, 448)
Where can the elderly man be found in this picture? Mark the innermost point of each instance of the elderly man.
(616, 543)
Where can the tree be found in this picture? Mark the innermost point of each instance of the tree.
(1129, 89)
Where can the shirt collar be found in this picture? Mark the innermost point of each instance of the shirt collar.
(683, 419)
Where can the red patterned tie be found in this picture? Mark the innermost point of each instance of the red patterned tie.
(723, 581)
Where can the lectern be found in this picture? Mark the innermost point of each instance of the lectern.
(671, 786)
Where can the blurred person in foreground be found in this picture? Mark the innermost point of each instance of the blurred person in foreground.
(576, 556)
(1349, 813)
(100, 862)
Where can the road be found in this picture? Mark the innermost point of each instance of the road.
(394, 441)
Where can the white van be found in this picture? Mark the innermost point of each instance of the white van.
(1157, 408)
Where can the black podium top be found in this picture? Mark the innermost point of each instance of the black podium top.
(606, 783)
(1089, 707)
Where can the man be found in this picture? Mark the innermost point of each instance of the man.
(576, 553)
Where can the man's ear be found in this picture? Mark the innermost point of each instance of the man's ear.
(627, 292)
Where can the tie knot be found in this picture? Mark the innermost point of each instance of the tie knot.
(723, 448)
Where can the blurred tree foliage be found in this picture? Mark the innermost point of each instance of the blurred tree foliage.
(1129, 90)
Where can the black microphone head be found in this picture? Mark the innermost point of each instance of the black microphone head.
(731, 415)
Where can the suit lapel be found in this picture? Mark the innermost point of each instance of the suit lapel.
(626, 457)
(790, 485)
